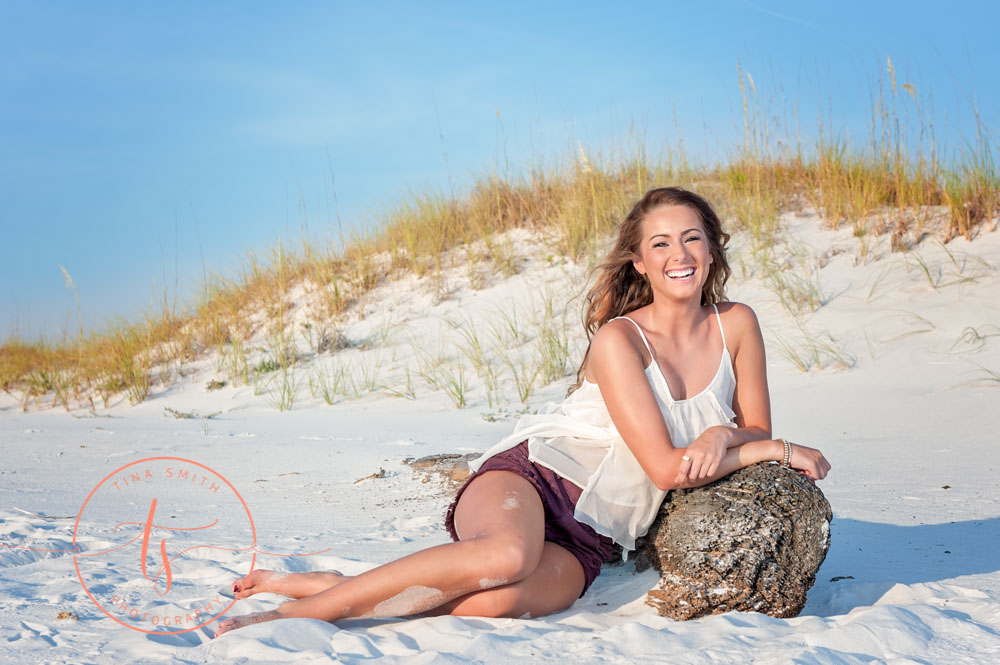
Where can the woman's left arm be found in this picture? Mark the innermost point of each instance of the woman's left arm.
(751, 400)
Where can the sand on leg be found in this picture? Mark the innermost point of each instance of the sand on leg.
(501, 521)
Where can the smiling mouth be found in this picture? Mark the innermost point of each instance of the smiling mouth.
(681, 273)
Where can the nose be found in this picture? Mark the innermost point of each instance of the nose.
(679, 252)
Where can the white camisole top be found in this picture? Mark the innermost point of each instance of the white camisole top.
(578, 440)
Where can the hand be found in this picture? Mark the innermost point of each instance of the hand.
(701, 458)
(809, 462)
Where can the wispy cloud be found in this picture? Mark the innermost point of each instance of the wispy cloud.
(783, 17)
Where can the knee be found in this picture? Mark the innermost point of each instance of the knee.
(504, 563)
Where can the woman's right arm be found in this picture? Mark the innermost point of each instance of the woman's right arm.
(616, 363)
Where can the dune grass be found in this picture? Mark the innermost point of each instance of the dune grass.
(895, 182)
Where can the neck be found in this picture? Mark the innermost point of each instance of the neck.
(675, 319)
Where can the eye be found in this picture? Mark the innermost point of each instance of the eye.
(660, 243)
(691, 238)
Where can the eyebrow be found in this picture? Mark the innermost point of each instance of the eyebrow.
(667, 235)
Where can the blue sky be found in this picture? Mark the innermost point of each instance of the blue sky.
(140, 142)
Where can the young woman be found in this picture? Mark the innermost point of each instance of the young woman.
(672, 392)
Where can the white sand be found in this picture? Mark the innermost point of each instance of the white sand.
(908, 416)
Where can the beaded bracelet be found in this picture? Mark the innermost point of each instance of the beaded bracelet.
(786, 461)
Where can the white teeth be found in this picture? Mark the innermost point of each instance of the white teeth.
(686, 272)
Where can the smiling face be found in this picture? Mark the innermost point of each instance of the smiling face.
(674, 253)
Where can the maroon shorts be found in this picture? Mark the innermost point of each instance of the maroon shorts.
(559, 497)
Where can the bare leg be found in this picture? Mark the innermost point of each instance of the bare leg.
(246, 620)
(553, 586)
(293, 585)
(502, 523)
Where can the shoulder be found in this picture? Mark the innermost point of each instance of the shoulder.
(739, 323)
(616, 336)
(737, 315)
(616, 342)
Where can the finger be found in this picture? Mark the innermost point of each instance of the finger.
(709, 466)
(713, 467)
(684, 469)
(696, 469)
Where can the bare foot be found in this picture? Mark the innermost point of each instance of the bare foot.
(245, 620)
(258, 581)
(292, 585)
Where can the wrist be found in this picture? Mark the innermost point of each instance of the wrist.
(785, 458)
(729, 435)
(754, 452)
(775, 450)
(738, 436)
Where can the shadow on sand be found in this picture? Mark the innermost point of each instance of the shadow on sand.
(870, 558)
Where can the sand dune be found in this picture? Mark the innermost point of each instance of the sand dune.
(891, 366)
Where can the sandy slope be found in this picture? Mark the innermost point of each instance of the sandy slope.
(905, 408)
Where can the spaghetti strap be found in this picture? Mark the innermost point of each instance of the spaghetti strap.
(645, 341)
(642, 335)
(719, 320)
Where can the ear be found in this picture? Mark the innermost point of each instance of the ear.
(638, 265)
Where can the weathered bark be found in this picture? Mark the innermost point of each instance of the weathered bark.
(751, 541)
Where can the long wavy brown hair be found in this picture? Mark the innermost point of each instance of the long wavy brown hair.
(619, 288)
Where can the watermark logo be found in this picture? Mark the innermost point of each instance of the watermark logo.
(149, 540)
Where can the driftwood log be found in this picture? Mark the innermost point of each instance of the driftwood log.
(451, 469)
(751, 541)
